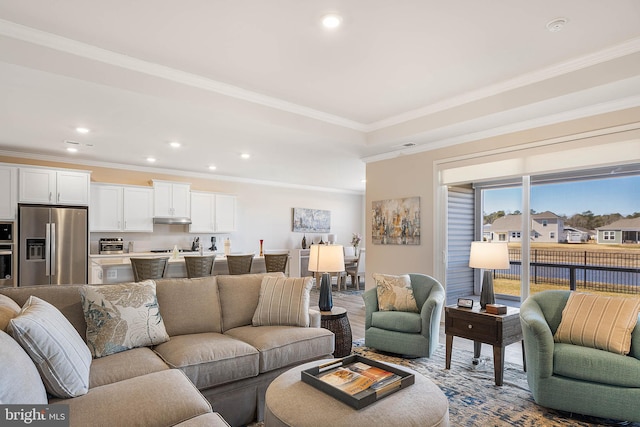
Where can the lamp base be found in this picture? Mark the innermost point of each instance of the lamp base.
(325, 303)
(487, 296)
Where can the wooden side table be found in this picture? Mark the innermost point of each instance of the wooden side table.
(498, 330)
(337, 322)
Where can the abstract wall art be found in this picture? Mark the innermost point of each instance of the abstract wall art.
(311, 220)
(396, 221)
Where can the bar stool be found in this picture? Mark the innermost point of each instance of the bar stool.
(199, 265)
(275, 262)
(148, 268)
(239, 264)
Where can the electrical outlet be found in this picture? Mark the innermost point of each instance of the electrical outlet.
(112, 274)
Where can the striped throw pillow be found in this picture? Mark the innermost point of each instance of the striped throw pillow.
(597, 321)
(284, 301)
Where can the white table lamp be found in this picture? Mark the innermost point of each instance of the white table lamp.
(326, 259)
(488, 256)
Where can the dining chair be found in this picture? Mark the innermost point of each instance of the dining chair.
(239, 264)
(276, 262)
(353, 271)
(149, 268)
(199, 265)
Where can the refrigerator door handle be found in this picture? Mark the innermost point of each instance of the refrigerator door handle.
(53, 249)
(47, 249)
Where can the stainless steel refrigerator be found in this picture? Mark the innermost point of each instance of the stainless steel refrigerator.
(52, 245)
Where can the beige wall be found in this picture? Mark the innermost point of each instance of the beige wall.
(263, 211)
(417, 175)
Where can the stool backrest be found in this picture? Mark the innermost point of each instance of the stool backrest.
(276, 262)
(199, 266)
(148, 268)
(239, 264)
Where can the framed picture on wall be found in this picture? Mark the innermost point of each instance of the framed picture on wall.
(396, 221)
(311, 220)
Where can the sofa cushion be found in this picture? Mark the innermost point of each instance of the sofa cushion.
(212, 419)
(395, 293)
(124, 365)
(58, 351)
(398, 321)
(239, 295)
(8, 310)
(598, 321)
(210, 359)
(284, 301)
(189, 306)
(596, 366)
(20, 381)
(281, 346)
(123, 316)
(164, 398)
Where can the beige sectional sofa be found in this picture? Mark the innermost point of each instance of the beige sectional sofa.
(215, 365)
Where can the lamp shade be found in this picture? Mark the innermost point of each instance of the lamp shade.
(488, 255)
(326, 258)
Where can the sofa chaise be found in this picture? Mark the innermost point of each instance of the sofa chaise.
(215, 364)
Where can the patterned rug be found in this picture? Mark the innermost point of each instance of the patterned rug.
(474, 399)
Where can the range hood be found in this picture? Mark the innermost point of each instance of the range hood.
(172, 220)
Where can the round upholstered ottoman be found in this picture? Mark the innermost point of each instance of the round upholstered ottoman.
(291, 403)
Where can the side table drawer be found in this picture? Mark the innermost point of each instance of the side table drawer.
(477, 330)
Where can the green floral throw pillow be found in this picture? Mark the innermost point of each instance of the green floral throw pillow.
(395, 293)
(122, 316)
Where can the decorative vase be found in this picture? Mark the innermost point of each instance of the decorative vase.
(355, 250)
(261, 247)
(487, 295)
(304, 241)
(325, 302)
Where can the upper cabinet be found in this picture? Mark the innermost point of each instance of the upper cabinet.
(49, 186)
(121, 208)
(212, 213)
(171, 199)
(8, 191)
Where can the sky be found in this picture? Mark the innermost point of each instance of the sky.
(602, 196)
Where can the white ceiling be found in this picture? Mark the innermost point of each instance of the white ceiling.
(309, 105)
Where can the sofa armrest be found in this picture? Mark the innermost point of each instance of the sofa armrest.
(538, 339)
(314, 318)
(370, 298)
(431, 312)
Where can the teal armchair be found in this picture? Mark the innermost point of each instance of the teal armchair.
(572, 378)
(410, 334)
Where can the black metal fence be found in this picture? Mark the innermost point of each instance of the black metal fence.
(579, 270)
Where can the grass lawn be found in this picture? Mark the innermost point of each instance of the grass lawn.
(512, 287)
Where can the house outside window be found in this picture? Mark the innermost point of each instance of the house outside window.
(545, 222)
(515, 234)
(609, 235)
(552, 235)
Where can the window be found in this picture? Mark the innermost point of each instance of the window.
(609, 235)
(515, 234)
(502, 237)
(545, 222)
(552, 235)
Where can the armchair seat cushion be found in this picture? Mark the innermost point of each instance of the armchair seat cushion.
(593, 365)
(398, 321)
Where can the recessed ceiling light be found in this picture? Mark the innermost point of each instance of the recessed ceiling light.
(331, 21)
(245, 155)
(557, 24)
(82, 130)
(72, 149)
(175, 144)
(212, 168)
(151, 159)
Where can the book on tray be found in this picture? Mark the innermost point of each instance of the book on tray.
(357, 377)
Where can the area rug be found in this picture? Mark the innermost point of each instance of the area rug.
(475, 400)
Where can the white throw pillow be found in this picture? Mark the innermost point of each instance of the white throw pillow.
(122, 316)
(20, 381)
(284, 301)
(54, 345)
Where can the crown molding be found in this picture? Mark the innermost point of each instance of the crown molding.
(593, 110)
(84, 50)
(175, 172)
(629, 47)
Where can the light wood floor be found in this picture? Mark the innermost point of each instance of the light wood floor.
(355, 311)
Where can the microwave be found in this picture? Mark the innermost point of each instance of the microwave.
(6, 232)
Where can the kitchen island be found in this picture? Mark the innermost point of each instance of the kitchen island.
(116, 268)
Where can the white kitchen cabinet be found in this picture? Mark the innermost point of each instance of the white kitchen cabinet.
(121, 208)
(106, 208)
(138, 209)
(202, 212)
(8, 191)
(225, 210)
(171, 199)
(50, 186)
